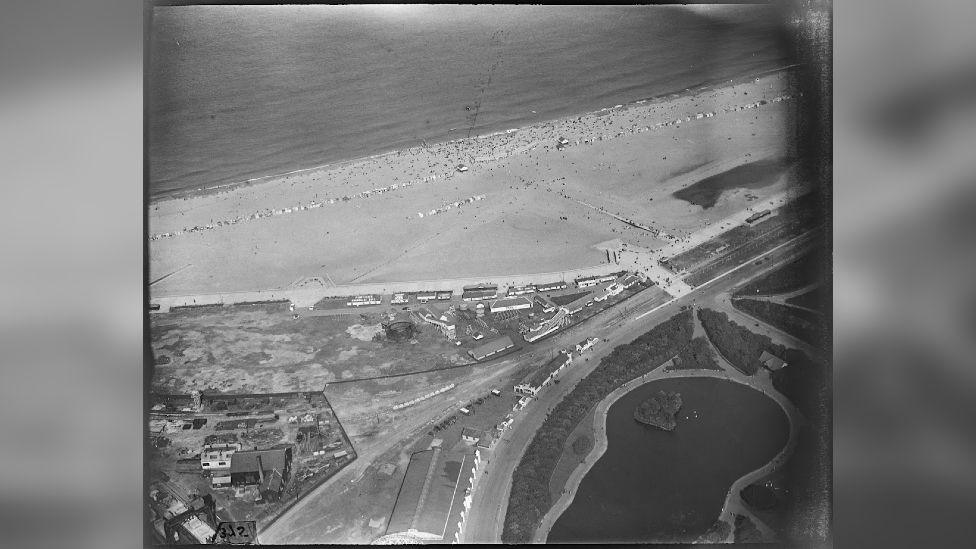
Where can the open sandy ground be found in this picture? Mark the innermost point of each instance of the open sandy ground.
(527, 219)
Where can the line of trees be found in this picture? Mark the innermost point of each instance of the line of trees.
(530, 498)
(800, 323)
(697, 355)
(737, 344)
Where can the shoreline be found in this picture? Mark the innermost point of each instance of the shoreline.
(598, 431)
(706, 85)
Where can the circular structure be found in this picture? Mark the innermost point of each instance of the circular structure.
(400, 328)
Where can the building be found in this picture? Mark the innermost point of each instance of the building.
(757, 216)
(471, 436)
(771, 361)
(545, 375)
(444, 295)
(362, 300)
(510, 304)
(547, 306)
(582, 346)
(492, 348)
(577, 306)
(217, 456)
(426, 296)
(587, 281)
(520, 290)
(563, 141)
(399, 299)
(429, 493)
(269, 469)
(462, 168)
(447, 321)
(628, 281)
(551, 286)
(479, 292)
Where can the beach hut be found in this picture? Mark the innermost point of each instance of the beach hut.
(462, 168)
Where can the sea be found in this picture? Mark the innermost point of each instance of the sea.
(240, 92)
(657, 486)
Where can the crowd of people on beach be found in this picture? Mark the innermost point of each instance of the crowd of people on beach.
(452, 205)
(443, 159)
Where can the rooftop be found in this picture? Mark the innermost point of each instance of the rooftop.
(492, 347)
(541, 374)
(246, 461)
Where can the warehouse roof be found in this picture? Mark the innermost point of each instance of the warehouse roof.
(541, 374)
(510, 302)
(428, 492)
(492, 347)
(246, 461)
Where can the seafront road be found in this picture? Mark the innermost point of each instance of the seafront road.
(490, 502)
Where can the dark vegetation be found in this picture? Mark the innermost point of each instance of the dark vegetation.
(814, 299)
(530, 498)
(758, 496)
(659, 410)
(582, 445)
(800, 323)
(736, 343)
(754, 175)
(746, 531)
(697, 355)
(806, 270)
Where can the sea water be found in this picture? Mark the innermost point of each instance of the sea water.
(237, 92)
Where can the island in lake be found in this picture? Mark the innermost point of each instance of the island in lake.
(659, 410)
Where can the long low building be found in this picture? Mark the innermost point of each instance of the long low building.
(491, 348)
(587, 281)
(544, 376)
(510, 304)
(428, 494)
(550, 286)
(480, 294)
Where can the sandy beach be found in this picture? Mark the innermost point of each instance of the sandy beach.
(411, 215)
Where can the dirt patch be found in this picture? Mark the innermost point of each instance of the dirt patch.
(364, 333)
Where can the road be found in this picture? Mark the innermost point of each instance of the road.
(487, 518)
(324, 505)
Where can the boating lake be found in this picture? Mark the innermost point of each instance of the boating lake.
(652, 485)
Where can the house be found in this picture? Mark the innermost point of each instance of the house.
(550, 286)
(771, 361)
(479, 293)
(526, 389)
(217, 456)
(491, 348)
(628, 281)
(577, 306)
(269, 469)
(470, 435)
(587, 281)
(510, 304)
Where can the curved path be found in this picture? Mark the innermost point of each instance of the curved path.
(733, 502)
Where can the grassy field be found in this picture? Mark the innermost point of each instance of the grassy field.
(814, 299)
(800, 323)
(261, 349)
